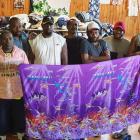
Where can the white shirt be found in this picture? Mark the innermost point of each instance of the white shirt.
(48, 50)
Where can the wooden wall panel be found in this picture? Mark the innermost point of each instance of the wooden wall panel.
(78, 6)
(7, 8)
(113, 13)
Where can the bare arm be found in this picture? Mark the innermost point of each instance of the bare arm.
(64, 55)
(137, 53)
(131, 49)
(90, 59)
(105, 56)
(86, 58)
(30, 55)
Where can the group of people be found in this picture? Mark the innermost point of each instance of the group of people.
(51, 48)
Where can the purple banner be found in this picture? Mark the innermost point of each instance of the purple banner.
(78, 101)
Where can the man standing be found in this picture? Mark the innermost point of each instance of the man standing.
(20, 37)
(49, 47)
(94, 49)
(12, 115)
(118, 45)
(73, 42)
(134, 48)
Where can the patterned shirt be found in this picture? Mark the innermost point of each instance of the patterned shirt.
(10, 85)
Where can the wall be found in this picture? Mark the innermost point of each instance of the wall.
(78, 5)
(7, 8)
(111, 14)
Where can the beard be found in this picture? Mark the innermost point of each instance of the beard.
(8, 48)
(48, 33)
(17, 33)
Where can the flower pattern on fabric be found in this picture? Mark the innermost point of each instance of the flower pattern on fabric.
(77, 101)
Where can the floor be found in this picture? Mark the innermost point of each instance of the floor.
(133, 131)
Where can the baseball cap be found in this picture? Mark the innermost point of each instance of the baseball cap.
(48, 20)
(93, 25)
(120, 25)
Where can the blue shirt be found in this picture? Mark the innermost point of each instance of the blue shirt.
(22, 43)
(94, 49)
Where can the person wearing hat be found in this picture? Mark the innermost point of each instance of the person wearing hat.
(94, 49)
(118, 44)
(134, 48)
(49, 47)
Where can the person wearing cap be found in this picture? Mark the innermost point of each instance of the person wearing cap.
(73, 42)
(134, 48)
(49, 47)
(118, 44)
(94, 49)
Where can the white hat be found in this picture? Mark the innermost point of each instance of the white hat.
(93, 25)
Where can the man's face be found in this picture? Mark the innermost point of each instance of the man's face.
(93, 34)
(72, 26)
(47, 28)
(16, 28)
(118, 33)
(7, 41)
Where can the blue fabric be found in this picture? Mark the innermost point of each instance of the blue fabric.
(22, 42)
(94, 8)
(62, 22)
